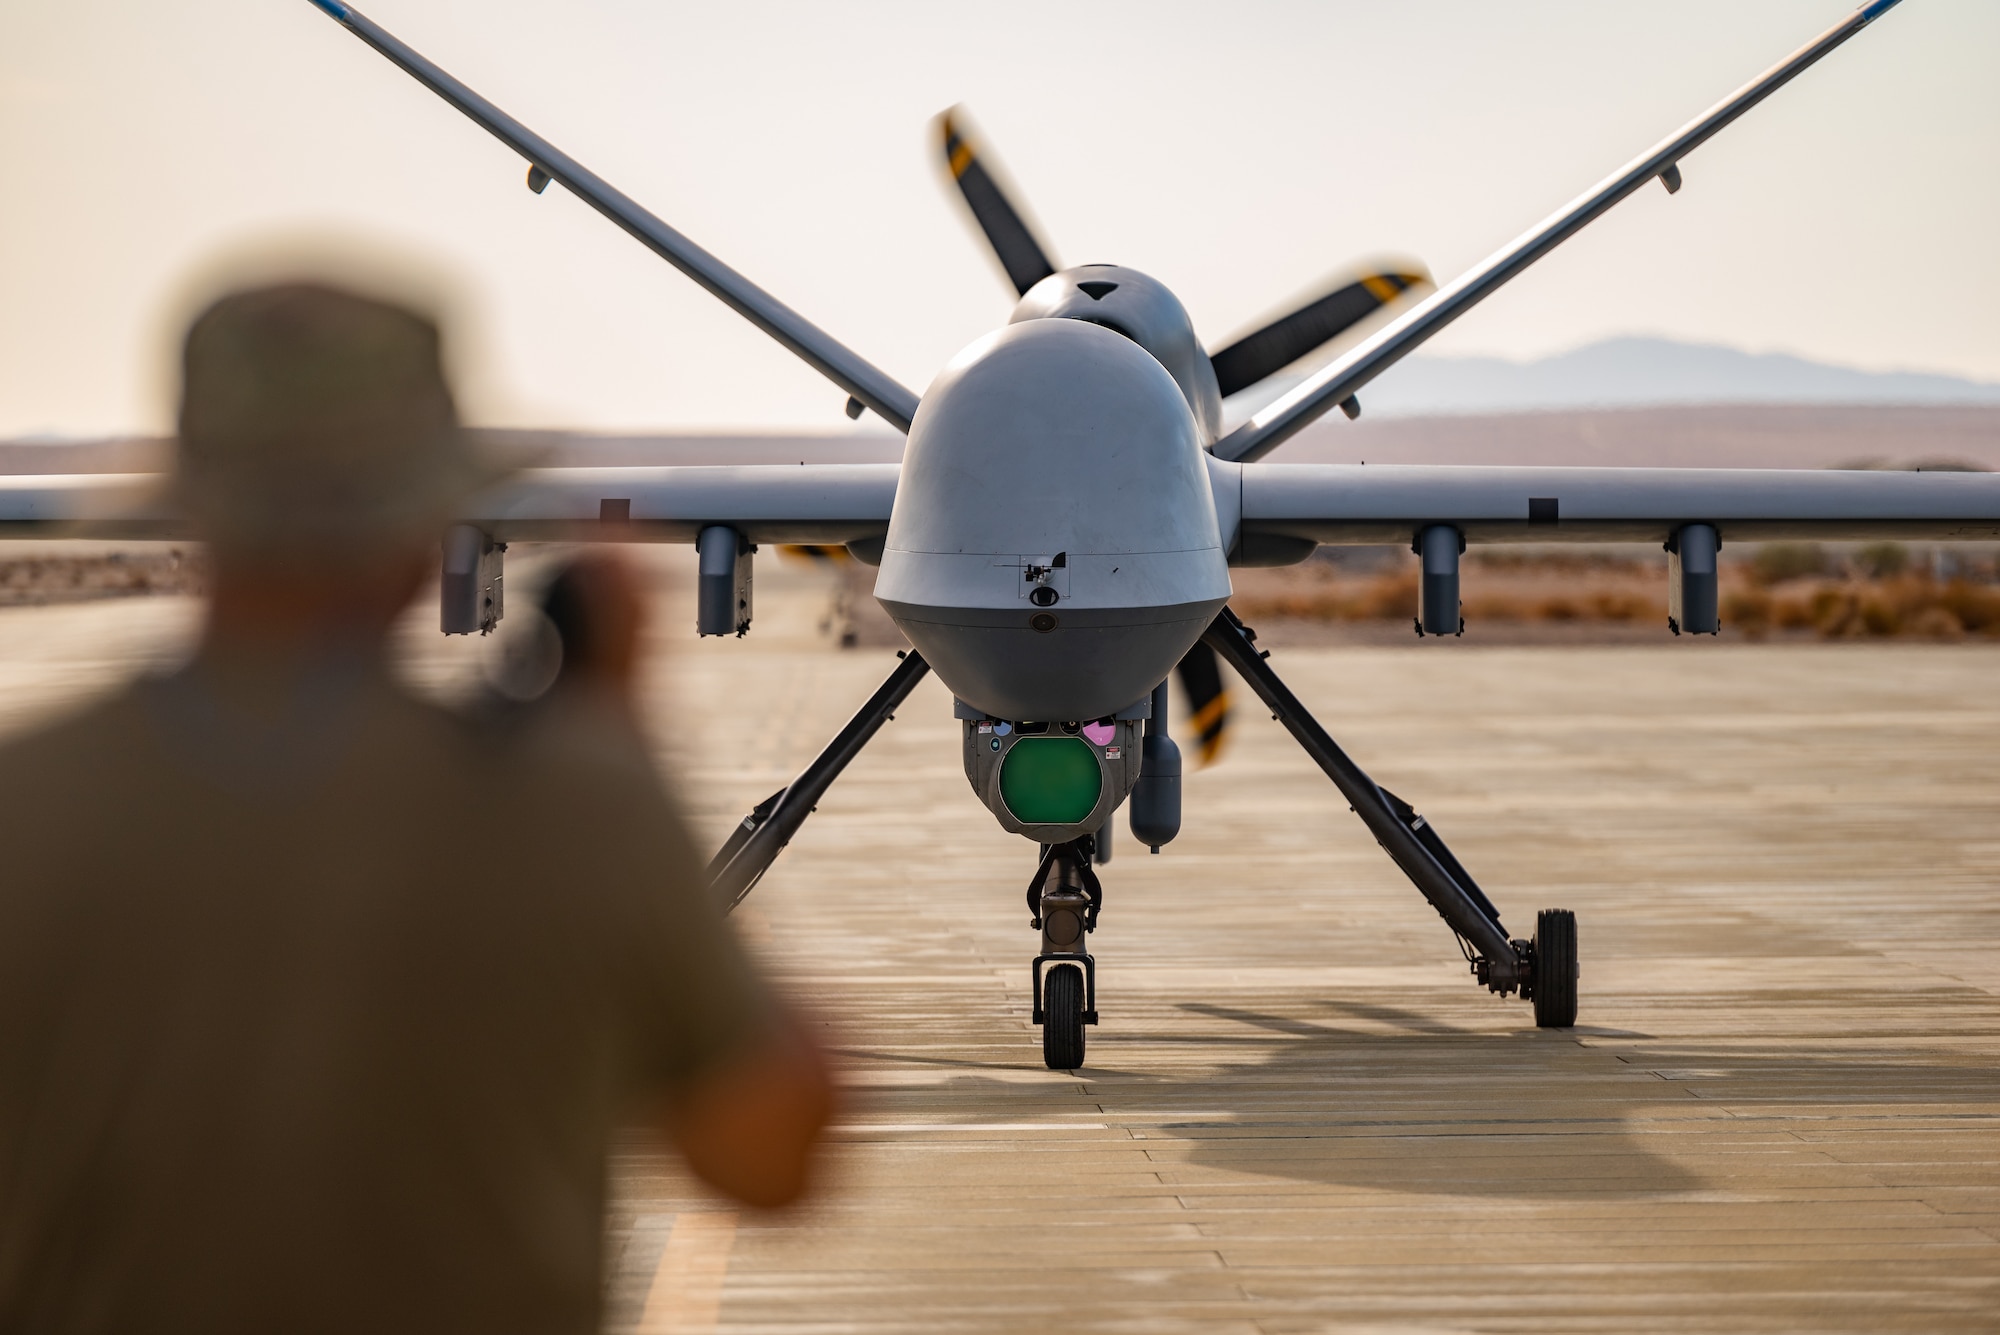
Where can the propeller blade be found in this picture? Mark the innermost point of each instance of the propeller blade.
(1208, 702)
(820, 553)
(979, 180)
(1290, 337)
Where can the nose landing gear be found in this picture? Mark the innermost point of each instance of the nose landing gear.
(1065, 897)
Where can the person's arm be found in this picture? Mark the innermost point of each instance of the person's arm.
(748, 1119)
(749, 1127)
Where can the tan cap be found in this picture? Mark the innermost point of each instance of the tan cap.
(313, 416)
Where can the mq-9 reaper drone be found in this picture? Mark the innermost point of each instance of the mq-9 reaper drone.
(1059, 534)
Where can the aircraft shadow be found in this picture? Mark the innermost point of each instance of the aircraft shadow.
(1433, 1109)
(1426, 1108)
(1381, 1098)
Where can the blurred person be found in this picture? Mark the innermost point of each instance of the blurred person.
(319, 1005)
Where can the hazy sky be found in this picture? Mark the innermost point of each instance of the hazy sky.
(1238, 152)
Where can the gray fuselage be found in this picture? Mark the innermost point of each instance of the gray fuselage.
(1054, 549)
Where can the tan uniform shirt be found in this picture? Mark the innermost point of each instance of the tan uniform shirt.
(320, 1015)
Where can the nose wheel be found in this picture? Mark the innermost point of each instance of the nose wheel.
(1062, 1018)
(1065, 897)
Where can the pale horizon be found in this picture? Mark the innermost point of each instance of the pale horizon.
(1239, 156)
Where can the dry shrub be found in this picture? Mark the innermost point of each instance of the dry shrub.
(1584, 561)
(1829, 608)
(1881, 614)
(1936, 623)
(1749, 610)
(1558, 608)
(1389, 598)
(1793, 613)
(1976, 607)
(1837, 613)
(1910, 604)
(1314, 606)
(1610, 606)
(1882, 560)
(1496, 607)
(1776, 562)
(67, 579)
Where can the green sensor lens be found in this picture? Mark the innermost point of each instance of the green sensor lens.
(1050, 780)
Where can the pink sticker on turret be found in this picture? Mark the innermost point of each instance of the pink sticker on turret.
(1097, 734)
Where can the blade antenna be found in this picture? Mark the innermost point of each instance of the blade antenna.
(818, 349)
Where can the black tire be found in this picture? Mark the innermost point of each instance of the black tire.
(1062, 1018)
(1556, 969)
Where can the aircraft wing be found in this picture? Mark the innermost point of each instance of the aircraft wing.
(1338, 381)
(1338, 504)
(1285, 506)
(866, 384)
(87, 505)
(804, 503)
(801, 503)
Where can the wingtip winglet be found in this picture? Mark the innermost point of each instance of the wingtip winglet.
(1876, 9)
(333, 8)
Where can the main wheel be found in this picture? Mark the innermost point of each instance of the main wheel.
(1556, 969)
(1062, 1018)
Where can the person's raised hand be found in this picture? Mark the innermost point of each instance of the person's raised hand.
(750, 1128)
(598, 609)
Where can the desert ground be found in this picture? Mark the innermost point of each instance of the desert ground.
(1780, 1109)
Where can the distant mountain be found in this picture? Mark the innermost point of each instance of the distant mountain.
(1686, 435)
(1632, 373)
(1621, 402)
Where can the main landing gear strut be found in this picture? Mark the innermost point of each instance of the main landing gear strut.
(1543, 969)
(1065, 896)
(760, 836)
